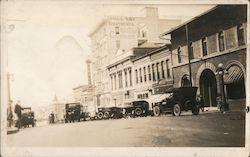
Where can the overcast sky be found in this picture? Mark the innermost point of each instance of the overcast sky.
(48, 43)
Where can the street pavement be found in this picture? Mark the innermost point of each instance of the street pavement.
(209, 129)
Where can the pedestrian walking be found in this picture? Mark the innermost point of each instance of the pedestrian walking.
(18, 111)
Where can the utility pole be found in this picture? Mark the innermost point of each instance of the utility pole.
(189, 62)
(9, 108)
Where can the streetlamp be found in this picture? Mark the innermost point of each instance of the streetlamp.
(220, 72)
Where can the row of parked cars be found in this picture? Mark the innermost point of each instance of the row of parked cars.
(174, 101)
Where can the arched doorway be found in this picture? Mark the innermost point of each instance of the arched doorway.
(234, 82)
(185, 82)
(208, 88)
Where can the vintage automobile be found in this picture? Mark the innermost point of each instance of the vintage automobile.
(27, 118)
(74, 112)
(138, 108)
(109, 112)
(178, 100)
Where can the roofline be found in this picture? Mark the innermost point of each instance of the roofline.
(152, 52)
(189, 21)
(119, 61)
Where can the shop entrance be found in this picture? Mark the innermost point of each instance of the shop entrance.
(208, 88)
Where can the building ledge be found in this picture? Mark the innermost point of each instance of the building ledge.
(213, 55)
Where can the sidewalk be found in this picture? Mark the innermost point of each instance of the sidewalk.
(12, 130)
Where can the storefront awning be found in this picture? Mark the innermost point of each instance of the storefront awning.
(157, 98)
(235, 74)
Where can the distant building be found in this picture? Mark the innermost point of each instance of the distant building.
(217, 36)
(139, 73)
(118, 35)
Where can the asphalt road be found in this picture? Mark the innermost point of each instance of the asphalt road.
(205, 130)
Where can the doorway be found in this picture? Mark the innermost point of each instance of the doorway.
(208, 88)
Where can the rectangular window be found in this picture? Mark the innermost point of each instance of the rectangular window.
(126, 79)
(130, 77)
(149, 73)
(140, 75)
(115, 80)
(204, 46)
(136, 74)
(145, 76)
(153, 71)
(120, 80)
(118, 44)
(117, 30)
(221, 41)
(179, 54)
(162, 69)
(157, 71)
(111, 78)
(191, 50)
(168, 69)
(240, 35)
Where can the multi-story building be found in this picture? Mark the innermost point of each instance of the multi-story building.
(122, 75)
(201, 44)
(118, 35)
(140, 73)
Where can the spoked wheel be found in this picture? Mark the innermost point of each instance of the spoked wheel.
(100, 115)
(106, 115)
(157, 111)
(138, 111)
(176, 110)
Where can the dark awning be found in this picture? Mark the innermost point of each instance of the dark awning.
(235, 74)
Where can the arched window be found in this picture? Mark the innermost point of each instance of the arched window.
(185, 81)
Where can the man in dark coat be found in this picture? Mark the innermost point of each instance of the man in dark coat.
(18, 111)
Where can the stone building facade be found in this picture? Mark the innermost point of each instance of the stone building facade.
(217, 36)
(140, 73)
(116, 36)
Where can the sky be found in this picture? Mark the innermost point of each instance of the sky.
(47, 43)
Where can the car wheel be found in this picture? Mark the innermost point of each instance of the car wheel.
(157, 111)
(100, 115)
(106, 115)
(138, 111)
(176, 110)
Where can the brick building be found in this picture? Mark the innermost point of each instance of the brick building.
(216, 36)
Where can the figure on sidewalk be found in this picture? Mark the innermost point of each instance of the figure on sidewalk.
(18, 111)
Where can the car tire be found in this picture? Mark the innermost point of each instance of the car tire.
(176, 110)
(106, 115)
(157, 111)
(100, 115)
(138, 111)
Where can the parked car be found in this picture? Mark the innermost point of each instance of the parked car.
(110, 112)
(179, 99)
(74, 112)
(27, 118)
(138, 108)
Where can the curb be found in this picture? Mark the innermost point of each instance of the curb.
(12, 131)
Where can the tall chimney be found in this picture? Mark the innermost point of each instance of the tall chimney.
(88, 62)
